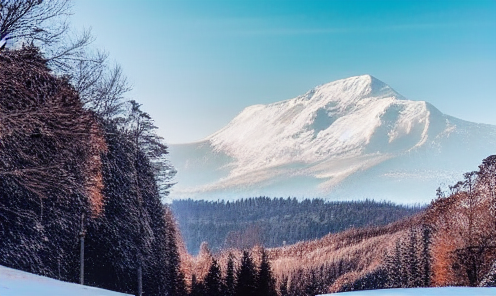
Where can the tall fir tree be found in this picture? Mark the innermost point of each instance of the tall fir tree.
(197, 287)
(230, 280)
(266, 282)
(247, 277)
(414, 277)
(213, 280)
(426, 256)
(283, 286)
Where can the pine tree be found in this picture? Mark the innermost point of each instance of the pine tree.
(394, 267)
(197, 288)
(310, 283)
(247, 277)
(266, 283)
(426, 256)
(414, 278)
(213, 281)
(283, 286)
(230, 280)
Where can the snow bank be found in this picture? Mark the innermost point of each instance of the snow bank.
(448, 291)
(19, 283)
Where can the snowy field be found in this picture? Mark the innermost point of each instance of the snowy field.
(18, 283)
(447, 291)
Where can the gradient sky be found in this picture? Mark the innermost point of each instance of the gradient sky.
(195, 65)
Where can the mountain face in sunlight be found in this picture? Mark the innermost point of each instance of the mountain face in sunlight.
(354, 138)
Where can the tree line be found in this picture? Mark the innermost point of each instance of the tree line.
(451, 243)
(237, 278)
(273, 222)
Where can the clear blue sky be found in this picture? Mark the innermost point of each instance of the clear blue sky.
(194, 65)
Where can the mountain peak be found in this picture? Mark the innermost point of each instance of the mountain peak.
(351, 133)
(360, 87)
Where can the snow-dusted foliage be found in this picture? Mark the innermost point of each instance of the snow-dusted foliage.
(49, 167)
(451, 243)
(464, 241)
(61, 162)
(490, 279)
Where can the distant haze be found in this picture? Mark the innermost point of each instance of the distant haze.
(353, 138)
(196, 64)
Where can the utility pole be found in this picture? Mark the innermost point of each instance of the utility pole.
(81, 255)
(140, 276)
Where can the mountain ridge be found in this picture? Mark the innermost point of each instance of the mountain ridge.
(309, 145)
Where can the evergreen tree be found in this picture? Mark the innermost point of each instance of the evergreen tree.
(266, 283)
(310, 283)
(396, 267)
(426, 256)
(283, 286)
(230, 280)
(247, 277)
(197, 288)
(213, 280)
(414, 278)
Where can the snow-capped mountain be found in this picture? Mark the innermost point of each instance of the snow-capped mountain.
(354, 138)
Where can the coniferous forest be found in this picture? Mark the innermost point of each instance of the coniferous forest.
(449, 243)
(83, 171)
(79, 162)
(67, 172)
(246, 223)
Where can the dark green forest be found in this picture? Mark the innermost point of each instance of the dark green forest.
(273, 222)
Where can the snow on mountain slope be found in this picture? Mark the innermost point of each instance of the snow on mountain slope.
(353, 138)
(19, 283)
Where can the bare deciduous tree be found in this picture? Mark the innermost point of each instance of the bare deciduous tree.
(34, 21)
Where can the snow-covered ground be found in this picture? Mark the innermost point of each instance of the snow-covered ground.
(19, 283)
(446, 291)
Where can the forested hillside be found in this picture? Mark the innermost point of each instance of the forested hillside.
(274, 222)
(79, 161)
(450, 243)
(83, 169)
(64, 168)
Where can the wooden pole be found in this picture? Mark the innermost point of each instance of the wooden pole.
(140, 279)
(81, 255)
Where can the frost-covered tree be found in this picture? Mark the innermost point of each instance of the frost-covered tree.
(425, 258)
(283, 286)
(487, 183)
(129, 227)
(412, 260)
(68, 148)
(49, 166)
(489, 279)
